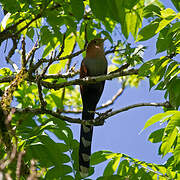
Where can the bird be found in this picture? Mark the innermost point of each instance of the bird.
(94, 64)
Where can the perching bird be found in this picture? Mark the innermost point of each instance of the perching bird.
(93, 64)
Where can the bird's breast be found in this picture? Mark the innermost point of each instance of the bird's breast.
(96, 66)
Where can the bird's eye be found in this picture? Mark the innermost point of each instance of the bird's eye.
(95, 41)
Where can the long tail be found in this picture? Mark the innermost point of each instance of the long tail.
(85, 144)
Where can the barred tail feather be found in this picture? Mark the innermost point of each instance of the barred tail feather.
(85, 144)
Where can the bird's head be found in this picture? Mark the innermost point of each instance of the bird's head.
(96, 43)
(96, 46)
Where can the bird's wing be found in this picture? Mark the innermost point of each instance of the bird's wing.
(83, 70)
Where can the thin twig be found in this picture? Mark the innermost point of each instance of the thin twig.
(113, 50)
(114, 98)
(8, 176)
(19, 162)
(33, 171)
(123, 67)
(42, 101)
(41, 61)
(68, 64)
(31, 52)
(85, 36)
(5, 162)
(164, 104)
(62, 46)
(66, 75)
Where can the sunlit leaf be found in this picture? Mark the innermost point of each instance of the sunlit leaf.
(101, 156)
(112, 166)
(170, 133)
(177, 150)
(156, 136)
(174, 93)
(123, 168)
(162, 117)
(148, 31)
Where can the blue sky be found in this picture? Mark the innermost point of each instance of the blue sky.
(120, 133)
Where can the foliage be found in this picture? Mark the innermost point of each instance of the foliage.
(40, 143)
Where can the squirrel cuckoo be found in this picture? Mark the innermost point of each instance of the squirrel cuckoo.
(93, 64)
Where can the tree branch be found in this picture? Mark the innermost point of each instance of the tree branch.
(106, 104)
(23, 52)
(95, 122)
(89, 80)
(41, 61)
(105, 116)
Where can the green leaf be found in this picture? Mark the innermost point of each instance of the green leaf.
(75, 151)
(133, 20)
(177, 151)
(56, 68)
(39, 153)
(46, 35)
(68, 177)
(114, 177)
(30, 33)
(158, 70)
(109, 24)
(58, 172)
(151, 10)
(53, 19)
(11, 6)
(157, 3)
(54, 150)
(171, 68)
(50, 46)
(168, 15)
(57, 100)
(162, 117)
(101, 156)
(123, 168)
(168, 142)
(96, 7)
(130, 3)
(143, 174)
(156, 136)
(170, 133)
(112, 166)
(176, 4)
(130, 19)
(144, 70)
(77, 8)
(163, 41)
(148, 31)
(174, 93)
(5, 72)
